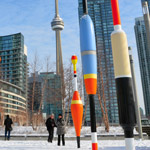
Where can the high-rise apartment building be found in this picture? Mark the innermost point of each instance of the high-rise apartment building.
(101, 14)
(13, 55)
(141, 41)
(13, 76)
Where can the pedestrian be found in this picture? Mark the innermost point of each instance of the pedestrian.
(50, 124)
(8, 128)
(61, 129)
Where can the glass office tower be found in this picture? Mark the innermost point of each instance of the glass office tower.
(52, 95)
(47, 91)
(101, 14)
(142, 47)
(141, 41)
(13, 70)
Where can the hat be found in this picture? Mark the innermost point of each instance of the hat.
(52, 114)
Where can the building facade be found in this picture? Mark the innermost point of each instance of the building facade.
(101, 14)
(47, 93)
(12, 102)
(13, 67)
(141, 41)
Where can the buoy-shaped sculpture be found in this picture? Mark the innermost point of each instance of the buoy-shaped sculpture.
(89, 63)
(76, 105)
(123, 77)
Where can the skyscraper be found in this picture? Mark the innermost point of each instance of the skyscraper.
(141, 41)
(13, 68)
(143, 44)
(101, 14)
(58, 25)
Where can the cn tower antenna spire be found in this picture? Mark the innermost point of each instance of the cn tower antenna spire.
(56, 8)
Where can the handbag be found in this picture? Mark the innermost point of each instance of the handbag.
(10, 128)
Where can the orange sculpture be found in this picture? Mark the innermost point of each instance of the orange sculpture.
(76, 105)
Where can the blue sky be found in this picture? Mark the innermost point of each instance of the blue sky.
(33, 17)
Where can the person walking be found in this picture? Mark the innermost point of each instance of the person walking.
(50, 124)
(8, 128)
(61, 129)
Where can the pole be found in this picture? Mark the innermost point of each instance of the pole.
(85, 7)
(136, 99)
(123, 78)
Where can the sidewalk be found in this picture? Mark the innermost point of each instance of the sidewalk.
(32, 137)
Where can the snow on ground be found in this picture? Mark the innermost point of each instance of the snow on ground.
(27, 130)
(70, 145)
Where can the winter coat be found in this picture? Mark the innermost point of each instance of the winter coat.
(61, 126)
(8, 122)
(50, 124)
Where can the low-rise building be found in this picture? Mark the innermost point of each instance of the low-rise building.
(12, 102)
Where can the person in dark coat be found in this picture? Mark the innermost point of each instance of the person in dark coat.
(50, 124)
(61, 129)
(8, 128)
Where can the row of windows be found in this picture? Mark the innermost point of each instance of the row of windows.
(10, 52)
(11, 44)
(13, 97)
(12, 106)
(11, 37)
(12, 89)
(13, 102)
(14, 111)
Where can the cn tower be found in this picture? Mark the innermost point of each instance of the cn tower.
(58, 25)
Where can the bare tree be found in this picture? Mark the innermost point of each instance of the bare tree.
(48, 69)
(80, 83)
(2, 115)
(86, 106)
(102, 101)
(34, 68)
(44, 85)
(68, 74)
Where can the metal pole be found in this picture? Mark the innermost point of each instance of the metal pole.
(137, 108)
(85, 7)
